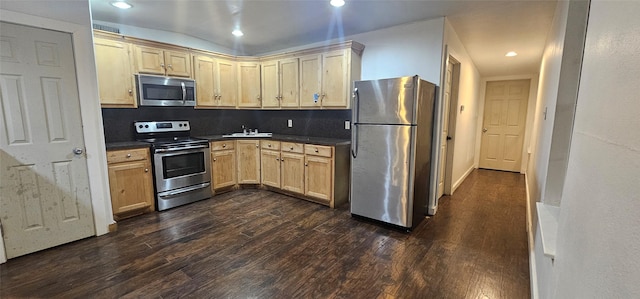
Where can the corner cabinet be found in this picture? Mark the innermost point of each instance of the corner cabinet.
(249, 85)
(115, 72)
(248, 161)
(130, 182)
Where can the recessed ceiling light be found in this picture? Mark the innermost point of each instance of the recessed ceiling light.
(511, 54)
(337, 3)
(237, 32)
(121, 4)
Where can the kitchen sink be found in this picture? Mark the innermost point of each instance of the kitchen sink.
(248, 135)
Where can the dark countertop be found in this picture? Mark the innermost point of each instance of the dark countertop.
(126, 145)
(287, 138)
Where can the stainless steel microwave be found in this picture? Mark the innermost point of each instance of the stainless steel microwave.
(165, 91)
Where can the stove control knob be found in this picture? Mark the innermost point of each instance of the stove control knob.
(140, 126)
(146, 126)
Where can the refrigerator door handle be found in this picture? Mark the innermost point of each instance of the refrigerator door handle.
(356, 106)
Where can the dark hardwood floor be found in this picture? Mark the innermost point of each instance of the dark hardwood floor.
(259, 244)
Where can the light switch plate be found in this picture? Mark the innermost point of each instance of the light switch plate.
(289, 123)
(347, 125)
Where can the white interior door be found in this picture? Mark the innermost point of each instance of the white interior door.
(505, 112)
(44, 188)
(445, 129)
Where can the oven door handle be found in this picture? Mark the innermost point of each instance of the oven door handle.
(184, 190)
(175, 149)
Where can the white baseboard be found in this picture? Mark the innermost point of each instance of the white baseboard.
(533, 275)
(461, 179)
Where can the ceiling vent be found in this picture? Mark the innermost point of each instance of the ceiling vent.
(106, 28)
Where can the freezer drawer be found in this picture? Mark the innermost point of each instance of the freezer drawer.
(382, 173)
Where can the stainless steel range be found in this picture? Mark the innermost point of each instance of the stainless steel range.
(181, 163)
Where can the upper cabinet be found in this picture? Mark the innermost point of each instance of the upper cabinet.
(326, 79)
(215, 81)
(164, 62)
(315, 78)
(115, 74)
(249, 84)
(280, 83)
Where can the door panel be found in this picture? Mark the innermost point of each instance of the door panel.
(388, 101)
(45, 198)
(381, 173)
(445, 130)
(504, 124)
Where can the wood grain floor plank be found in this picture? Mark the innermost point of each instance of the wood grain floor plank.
(252, 243)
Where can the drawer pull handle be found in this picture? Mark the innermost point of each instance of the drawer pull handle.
(224, 145)
(316, 150)
(128, 155)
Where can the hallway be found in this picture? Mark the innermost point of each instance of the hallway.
(254, 243)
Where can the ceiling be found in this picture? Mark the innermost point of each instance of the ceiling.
(488, 29)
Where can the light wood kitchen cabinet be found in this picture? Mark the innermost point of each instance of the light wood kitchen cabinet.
(280, 84)
(164, 62)
(326, 79)
(223, 164)
(115, 73)
(292, 160)
(215, 82)
(130, 182)
(249, 85)
(319, 174)
(270, 168)
(248, 152)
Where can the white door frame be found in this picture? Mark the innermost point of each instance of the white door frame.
(453, 118)
(90, 111)
(531, 107)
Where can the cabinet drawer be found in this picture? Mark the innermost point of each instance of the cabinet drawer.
(222, 145)
(136, 154)
(318, 150)
(290, 147)
(272, 145)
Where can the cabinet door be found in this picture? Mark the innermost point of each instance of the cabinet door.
(177, 63)
(227, 89)
(292, 172)
(223, 170)
(270, 168)
(149, 60)
(204, 70)
(115, 76)
(335, 79)
(318, 178)
(310, 81)
(248, 161)
(270, 85)
(249, 85)
(289, 83)
(131, 187)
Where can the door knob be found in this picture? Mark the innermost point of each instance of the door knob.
(484, 130)
(77, 151)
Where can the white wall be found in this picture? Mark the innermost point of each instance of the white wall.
(169, 38)
(549, 79)
(79, 25)
(467, 120)
(598, 249)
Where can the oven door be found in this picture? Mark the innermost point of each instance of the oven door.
(177, 168)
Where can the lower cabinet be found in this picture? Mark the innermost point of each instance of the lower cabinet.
(270, 164)
(130, 182)
(292, 172)
(318, 176)
(223, 164)
(248, 161)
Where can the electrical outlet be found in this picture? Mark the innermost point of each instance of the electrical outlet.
(289, 123)
(347, 125)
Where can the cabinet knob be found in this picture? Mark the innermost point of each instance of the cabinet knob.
(146, 170)
(291, 148)
(214, 159)
(277, 159)
(305, 164)
(171, 67)
(130, 92)
(269, 145)
(224, 145)
(316, 150)
(128, 155)
(162, 65)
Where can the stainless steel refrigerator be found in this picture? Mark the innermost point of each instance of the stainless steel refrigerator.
(391, 149)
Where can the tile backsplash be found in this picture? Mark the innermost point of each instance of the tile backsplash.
(118, 123)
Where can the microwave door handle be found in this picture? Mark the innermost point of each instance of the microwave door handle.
(184, 93)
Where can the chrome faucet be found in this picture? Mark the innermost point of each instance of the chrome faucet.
(244, 130)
